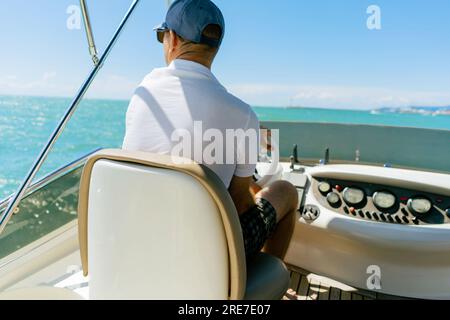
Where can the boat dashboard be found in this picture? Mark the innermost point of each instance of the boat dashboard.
(377, 194)
(380, 202)
(354, 219)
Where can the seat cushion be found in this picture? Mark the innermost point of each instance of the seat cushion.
(267, 278)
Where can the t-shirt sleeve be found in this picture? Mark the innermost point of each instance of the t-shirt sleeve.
(248, 148)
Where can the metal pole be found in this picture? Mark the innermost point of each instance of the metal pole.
(67, 116)
(89, 34)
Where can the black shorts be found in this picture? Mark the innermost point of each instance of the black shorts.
(258, 224)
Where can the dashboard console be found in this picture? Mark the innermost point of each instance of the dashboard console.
(354, 218)
(381, 203)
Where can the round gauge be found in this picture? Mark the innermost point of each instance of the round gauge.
(384, 199)
(333, 199)
(354, 196)
(324, 187)
(419, 205)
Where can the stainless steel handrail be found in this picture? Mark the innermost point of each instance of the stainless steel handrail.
(4, 218)
(89, 34)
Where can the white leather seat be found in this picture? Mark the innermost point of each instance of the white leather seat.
(151, 228)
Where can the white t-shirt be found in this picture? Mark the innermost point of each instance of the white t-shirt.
(187, 96)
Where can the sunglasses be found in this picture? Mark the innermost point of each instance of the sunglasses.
(160, 35)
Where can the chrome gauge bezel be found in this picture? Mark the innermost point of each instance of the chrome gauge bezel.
(411, 205)
(334, 204)
(358, 203)
(378, 205)
(324, 192)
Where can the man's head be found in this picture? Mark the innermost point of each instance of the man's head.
(193, 30)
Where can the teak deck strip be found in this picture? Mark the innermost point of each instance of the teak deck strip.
(309, 286)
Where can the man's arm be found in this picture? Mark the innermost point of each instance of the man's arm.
(242, 191)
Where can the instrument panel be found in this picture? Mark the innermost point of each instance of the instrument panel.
(380, 203)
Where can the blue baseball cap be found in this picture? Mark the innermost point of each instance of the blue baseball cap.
(189, 18)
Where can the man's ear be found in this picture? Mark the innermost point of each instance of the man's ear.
(173, 38)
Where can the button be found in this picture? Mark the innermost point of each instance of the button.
(338, 188)
(375, 216)
(361, 213)
(383, 217)
(390, 219)
(415, 220)
(404, 211)
(346, 210)
(352, 211)
(369, 215)
(405, 219)
(398, 219)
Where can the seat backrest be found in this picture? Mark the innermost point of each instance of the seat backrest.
(151, 228)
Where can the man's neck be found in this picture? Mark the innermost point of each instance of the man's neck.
(189, 57)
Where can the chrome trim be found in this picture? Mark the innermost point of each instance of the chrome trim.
(89, 34)
(51, 177)
(5, 216)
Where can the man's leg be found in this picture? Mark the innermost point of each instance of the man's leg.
(283, 196)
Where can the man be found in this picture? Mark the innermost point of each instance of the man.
(186, 93)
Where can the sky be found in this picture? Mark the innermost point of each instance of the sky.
(318, 53)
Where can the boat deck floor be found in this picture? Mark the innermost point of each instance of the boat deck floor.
(305, 285)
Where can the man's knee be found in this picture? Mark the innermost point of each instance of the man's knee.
(282, 195)
(289, 192)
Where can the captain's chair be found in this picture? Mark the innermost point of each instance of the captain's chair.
(153, 229)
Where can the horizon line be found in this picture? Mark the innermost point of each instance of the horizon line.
(252, 105)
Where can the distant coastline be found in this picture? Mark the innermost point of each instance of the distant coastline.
(433, 111)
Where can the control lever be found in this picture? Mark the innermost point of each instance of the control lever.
(326, 160)
(294, 159)
(295, 154)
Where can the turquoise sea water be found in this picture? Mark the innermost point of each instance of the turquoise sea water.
(27, 122)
